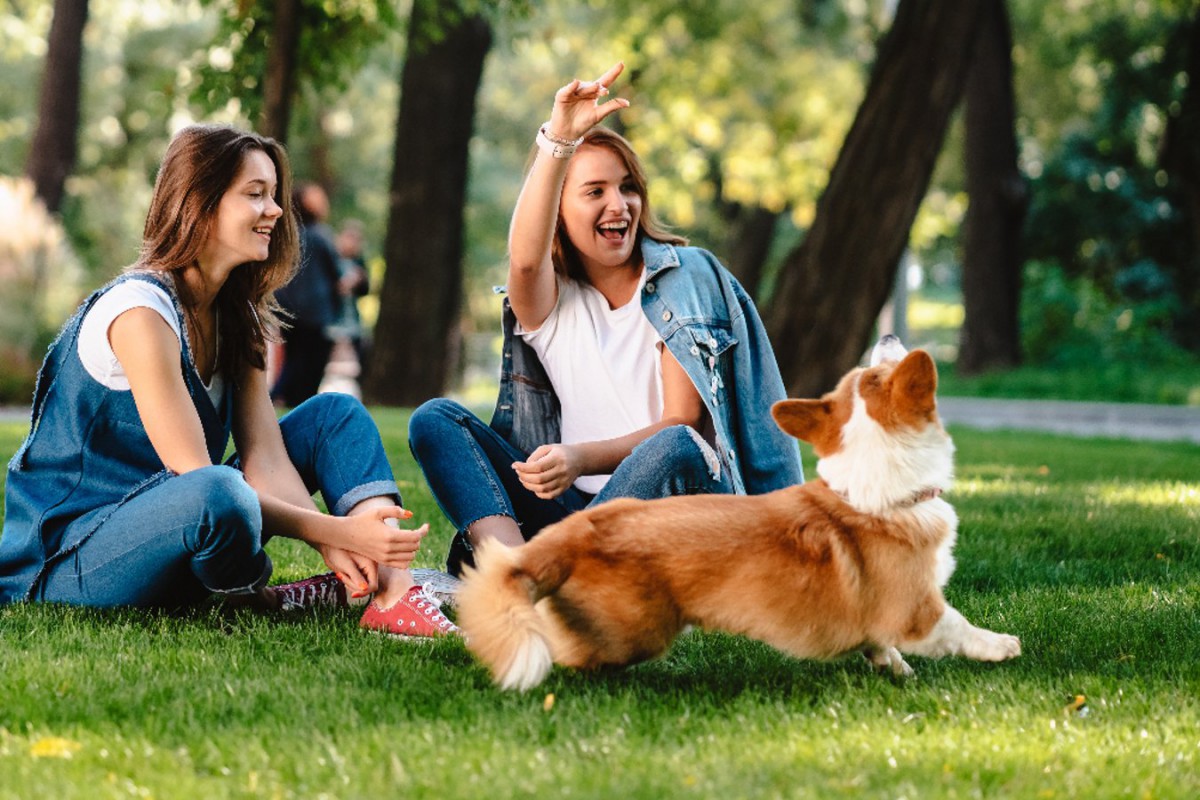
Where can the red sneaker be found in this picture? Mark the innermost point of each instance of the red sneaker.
(414, 616)
(319, 590)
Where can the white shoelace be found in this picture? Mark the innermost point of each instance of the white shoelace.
(433, 608)
(317, 592)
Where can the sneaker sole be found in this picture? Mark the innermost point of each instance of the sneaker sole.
(403, 637)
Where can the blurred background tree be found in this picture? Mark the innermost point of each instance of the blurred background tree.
(740, 111)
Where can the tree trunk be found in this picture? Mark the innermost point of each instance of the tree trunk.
(52, 153)
(833, 285)
(280, 81)
(991, 274)
(1181, 160)
(751, 231)
(415, 339)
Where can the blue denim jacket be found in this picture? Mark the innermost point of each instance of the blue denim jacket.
(87, 452)
(712, 328)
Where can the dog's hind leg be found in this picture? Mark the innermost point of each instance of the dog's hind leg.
(953, 635)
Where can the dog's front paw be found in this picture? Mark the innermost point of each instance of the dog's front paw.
(888, 658)
(991, 646)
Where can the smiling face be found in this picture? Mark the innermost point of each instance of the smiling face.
(245, 217)
(601, 209)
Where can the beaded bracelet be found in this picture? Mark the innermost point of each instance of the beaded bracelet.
(556, 146)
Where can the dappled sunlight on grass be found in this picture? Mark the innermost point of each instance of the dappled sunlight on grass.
(999, 488)
(1147, 494)
(1012, 481)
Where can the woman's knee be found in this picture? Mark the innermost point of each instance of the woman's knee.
(226, 501)
(330, 408)
(430, 422)
(681, 447)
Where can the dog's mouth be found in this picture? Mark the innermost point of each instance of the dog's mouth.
(888, 348)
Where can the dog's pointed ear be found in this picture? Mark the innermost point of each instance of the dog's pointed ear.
(801, 418)
(914, 384)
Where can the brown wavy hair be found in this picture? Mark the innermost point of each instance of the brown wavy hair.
(563, 253)
(198, 168)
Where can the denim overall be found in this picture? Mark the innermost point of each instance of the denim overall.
(93, 517)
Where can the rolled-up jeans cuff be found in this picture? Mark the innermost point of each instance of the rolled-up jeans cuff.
(259, 582)
(363, 492)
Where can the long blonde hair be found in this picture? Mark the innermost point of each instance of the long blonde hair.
(198, 168)
(563, 253)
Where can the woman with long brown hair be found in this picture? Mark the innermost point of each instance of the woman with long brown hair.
(122, 495)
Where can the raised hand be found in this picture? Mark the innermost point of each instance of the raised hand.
(577, 105)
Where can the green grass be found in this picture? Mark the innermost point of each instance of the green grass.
(1087, 549)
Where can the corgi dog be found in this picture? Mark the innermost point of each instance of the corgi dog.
(854, 561)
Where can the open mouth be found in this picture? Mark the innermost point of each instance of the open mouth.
(613, 231)
(264, 232)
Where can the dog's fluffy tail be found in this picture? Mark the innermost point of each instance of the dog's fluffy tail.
(495, 609)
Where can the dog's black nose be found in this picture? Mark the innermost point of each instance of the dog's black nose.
(888, 338)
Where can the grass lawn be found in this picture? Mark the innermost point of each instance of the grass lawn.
(1087, 549)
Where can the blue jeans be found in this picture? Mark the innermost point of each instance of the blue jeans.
(201, 532)
(469, 469)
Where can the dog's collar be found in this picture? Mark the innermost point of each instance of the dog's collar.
(932, 493)
(914, 499)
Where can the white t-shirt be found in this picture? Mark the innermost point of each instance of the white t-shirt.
(94, 349)
(604, 363)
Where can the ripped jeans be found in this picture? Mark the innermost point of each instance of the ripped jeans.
(469, 469)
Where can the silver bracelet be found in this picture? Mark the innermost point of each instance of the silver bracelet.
(556, 146)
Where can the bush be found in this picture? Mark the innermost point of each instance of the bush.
(1070, 320)
(41, 278)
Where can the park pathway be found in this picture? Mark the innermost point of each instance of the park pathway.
(1114, 420)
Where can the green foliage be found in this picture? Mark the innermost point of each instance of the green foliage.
(1103, 209)
(41, 278)
(1086, 549)
(733, 103)
(335, 38)
(1068, 320)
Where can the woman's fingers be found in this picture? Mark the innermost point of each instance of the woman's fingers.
(370, 571)
(613, 73)
(567, 92)
(614, 105)
(578, 105)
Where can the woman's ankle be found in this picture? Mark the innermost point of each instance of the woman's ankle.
(393, 585)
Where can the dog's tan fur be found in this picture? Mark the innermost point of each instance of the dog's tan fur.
(801, 569)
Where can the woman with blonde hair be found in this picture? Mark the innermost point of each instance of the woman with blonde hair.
(122, 495)
(633, 365)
